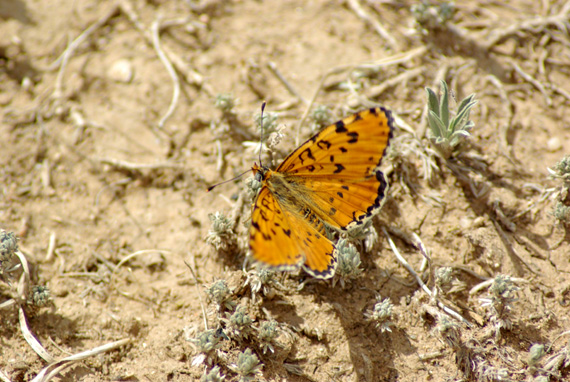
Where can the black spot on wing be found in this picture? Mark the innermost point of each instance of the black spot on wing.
(265, 203)
(331, 158)
(287, 232)
(342, 149)
(324, 145)
(353, 137)
(311, 168)
(308, 153)
(357, 117)
(340, 127)
(339, 168)
(340, 194)
(344, 188)
(332, 211)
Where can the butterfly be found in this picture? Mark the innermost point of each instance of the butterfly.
(332, 180)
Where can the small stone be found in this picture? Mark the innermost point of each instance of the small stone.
(553, 144)
(465, 222)
(479, 222)
(121, 71)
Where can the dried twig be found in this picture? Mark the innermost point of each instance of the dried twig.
(121, 164)
(273, 69)
(509, 248)
(54, 368)
(487, 283)
(537, 84)
(51, 246)
(392, 60)
(199, 292)
(374, 23)
(424, 287)
(58, 88)
(4, 377)
(155, 32)
(503, 129)
(375, 91)
(190, 75)
(31, 339)
(532, 25)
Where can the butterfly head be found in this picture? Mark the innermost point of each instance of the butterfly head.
(259, 172)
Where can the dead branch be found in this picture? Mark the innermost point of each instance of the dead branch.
(155, 32)
(373, 23)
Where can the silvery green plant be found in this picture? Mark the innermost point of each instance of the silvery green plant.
(238, 324)
(448, 133)
(247, 367)
(266, 334)
(221, 235)
(535, 354)
(365, 232)
(348, 261)
(225, 102)
(561, 171)
(381, 314)
(214, 375)
(500, 303)
(446, 282)
(271, 133)
(430, 16)
(321, 117)
(449, 332)
(40, 295)
(561, 212)
(8, 247)
(261, 280)
(221, 295)
(206, 342)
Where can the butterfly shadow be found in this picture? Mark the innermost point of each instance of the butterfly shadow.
(370, 350)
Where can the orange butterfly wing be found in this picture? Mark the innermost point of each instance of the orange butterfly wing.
(284, 239)
(339, 167)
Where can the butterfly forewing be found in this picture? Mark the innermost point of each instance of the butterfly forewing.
(349, 149)
(339, 166)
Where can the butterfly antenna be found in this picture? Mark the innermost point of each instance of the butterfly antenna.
(226, 181)
(261, 135)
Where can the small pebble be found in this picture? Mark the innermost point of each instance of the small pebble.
(121, 71)
(553, 144)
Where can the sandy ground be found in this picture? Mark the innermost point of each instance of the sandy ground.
(103, 179)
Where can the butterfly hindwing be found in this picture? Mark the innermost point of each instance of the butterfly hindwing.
(284, 239)
(339, 167)
(345, 204)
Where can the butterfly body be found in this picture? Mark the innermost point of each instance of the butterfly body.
(332, 180)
